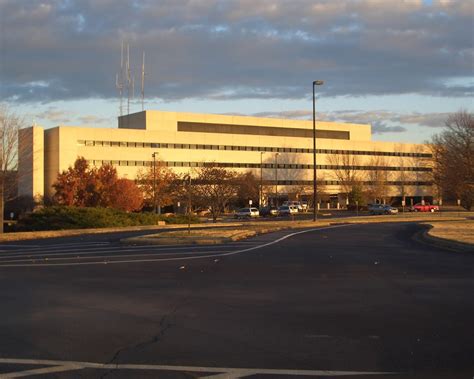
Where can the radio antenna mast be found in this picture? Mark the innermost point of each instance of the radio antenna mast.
(129, 79)
(143, 82)
(119, 81)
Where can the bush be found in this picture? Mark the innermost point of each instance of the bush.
(61, 217)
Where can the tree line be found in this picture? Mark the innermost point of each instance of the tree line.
(211, 187)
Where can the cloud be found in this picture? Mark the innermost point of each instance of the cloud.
(59, 116)
(235, 49)
(93, 120)
(380, 128)
(55, 115)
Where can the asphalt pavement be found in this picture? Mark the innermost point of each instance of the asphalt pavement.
(362, 301)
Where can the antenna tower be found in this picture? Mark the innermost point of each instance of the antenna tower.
(119, 81)
(143, 82)
(129, 79)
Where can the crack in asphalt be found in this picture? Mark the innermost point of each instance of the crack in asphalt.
(164, 326)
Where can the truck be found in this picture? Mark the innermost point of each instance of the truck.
(427, 207)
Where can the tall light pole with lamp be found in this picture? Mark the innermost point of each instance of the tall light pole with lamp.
(276, 179)
(315, 211)
(154, 183)
(261, 180)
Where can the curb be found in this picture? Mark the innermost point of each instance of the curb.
(165, 240)
(424, 237)
(25, 236)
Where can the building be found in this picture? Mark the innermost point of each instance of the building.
(278, 151)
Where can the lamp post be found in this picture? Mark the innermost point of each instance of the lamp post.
(154, 183)
(315, 213)
(261, 180)
(188, 178)
(276, 179)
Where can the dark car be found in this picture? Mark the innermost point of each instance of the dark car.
(269, 211)
(382, 209)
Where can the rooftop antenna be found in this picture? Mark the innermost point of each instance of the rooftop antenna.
(119, 81)
(129, 78)
(143, 82)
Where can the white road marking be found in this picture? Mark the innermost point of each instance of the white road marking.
(179, 258)
(47, 252)
(56, 245)
(40, 371)
(86, 256)
(222, 372)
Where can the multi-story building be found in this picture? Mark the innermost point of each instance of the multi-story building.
(277, 151)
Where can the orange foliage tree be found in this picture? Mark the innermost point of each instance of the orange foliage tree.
(83, 186)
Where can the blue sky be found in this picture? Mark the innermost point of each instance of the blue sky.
(401, 66)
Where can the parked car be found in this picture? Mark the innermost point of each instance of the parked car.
(287, 210)
(247, 213)
(373, 208)
(427, 207)
(304, 205)
(269, 211)
(382, 209)
(296, 204)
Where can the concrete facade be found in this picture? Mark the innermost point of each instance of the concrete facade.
(187, 140)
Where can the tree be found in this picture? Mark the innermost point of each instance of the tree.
(77, 186)
(83, 186)
(10, 124)
(126, 196)
(158, 184)
(345, 170)
(215, 187)
(248, 187)
(453, 158)
(106, 182)
(378, 178)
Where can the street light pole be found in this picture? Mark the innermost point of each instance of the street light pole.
(261, 180)
(154, 183)
(276, 179)
(315, 212)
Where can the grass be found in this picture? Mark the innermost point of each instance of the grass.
(459, 231)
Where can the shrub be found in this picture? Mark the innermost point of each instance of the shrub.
(62, 217)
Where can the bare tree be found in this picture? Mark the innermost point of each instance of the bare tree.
(215, 187)
(453, 158)
(158, 184)
(247, 188)
(378, 178)
(346, 172)
(10, 124)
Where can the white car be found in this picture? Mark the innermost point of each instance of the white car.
(247, 213)
(287, 210)
(296, 204)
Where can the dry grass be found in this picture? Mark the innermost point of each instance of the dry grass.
(459, 231)
(211, 233)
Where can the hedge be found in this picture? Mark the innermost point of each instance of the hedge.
(61, 217)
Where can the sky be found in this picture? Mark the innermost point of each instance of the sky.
(402, 66)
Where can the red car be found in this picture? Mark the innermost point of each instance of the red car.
(424, 208)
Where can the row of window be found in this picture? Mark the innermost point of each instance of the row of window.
(257, 165)
(245, 148)
(335, 182)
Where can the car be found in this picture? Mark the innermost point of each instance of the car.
(296, 204)
(374, 208)
(247, 213)
(427, 207)
(287, 210)
(382, 209)
(269, 211)
(304, 205)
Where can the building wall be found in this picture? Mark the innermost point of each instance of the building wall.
(31, 162)
(130, 149)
